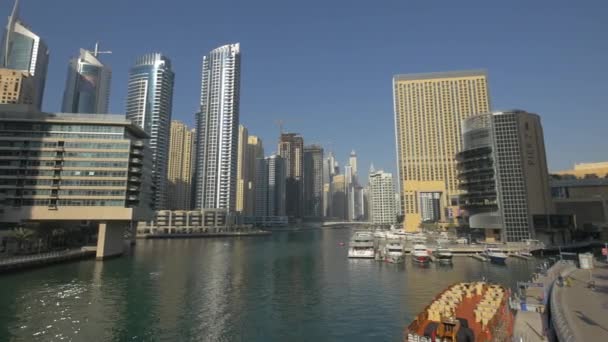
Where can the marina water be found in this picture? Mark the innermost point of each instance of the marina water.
(290, 286)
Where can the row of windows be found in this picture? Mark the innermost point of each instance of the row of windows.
(23, 126)
(64, 182)
(61, 135)
(63, 173)
(50, 163)
(48, 192)
(66, 202)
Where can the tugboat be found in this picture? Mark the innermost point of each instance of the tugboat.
(495, 255)
(393, 252)
(443, 255)
(420, 254)
(361, 246)
(476, 311)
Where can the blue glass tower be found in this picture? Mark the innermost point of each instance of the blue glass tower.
(149, 105)
(87, 88)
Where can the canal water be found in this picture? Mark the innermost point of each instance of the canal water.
(291, 286)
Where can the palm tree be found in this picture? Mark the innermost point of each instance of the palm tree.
(22, 235)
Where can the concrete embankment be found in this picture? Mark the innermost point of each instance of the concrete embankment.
(44, 259)
(579, 308)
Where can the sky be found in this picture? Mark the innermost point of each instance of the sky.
(325, 68)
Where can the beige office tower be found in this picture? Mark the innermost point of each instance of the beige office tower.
(181, 166)
(242, 176)
(429, 109)
(16, 87)
(255, 151)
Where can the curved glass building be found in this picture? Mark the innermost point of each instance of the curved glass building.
(502, 169)
(149, 105)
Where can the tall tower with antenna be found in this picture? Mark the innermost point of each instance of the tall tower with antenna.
(87, 87)
(24, 50)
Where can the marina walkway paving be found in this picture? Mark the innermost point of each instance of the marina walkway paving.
(584, 311)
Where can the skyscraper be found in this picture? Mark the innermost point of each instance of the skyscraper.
(429, 109)
(149, 105)
(291, 148)
(87, 88)
(242, 172)
(181, 167)
(503, 172)
(217, 129)
(329, 168)
(24, 50)
(270, 186)
(313, 181)
(255, 151)
(338, 198)
(382, 198)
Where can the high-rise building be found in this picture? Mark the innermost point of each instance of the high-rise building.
(149, 105)
(503, 172)
(270, 186)
(329, 168)
(382, 198)
(16, 87)
(181, 166)
(313, 181)
(291, 148)
(217, 128)
(349, 188)
(255, 151)
(339, 208)
(87, 88)
(429, 109)
(24, 50)
(72, 170)
(352, 161)
(242, 174)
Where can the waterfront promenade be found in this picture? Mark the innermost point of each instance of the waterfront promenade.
(581, 313)
(42, 259)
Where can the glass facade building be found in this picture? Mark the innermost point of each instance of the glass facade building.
(87, 88)
(53, 165)
(149, 105)
(24, 50)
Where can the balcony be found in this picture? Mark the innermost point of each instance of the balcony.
(135, 169)
(138, 161)
(135, 179)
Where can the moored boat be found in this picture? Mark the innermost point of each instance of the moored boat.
(443, 254)
(361, 246)
(420, 254)
(495, 255)
(476, 311)
(393, 252)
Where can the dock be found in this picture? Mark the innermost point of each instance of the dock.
(519, 256)
(479, 257)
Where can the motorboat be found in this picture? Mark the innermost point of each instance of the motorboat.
(420, 254)
(443, 254)
(380, 234)
(361, 246)
(393, 252)
(495, 255)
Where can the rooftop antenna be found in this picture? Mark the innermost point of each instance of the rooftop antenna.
(10, 28)
(96, 51)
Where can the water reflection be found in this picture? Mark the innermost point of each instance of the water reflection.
(296, 286)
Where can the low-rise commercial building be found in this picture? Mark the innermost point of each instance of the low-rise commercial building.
(73, 168)
(191, 222)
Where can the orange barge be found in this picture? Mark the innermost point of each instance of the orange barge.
(465, 312)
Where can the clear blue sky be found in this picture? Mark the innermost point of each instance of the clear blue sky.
(325, 67)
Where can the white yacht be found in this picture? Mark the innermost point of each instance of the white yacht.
(495, 255)
(393, 252)
(361, 246)
(420, 254)
(443, 254)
